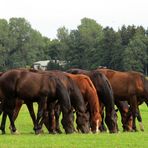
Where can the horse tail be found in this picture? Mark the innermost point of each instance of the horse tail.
(63, 95)
(106, 92)
(145, 84)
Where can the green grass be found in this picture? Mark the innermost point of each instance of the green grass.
(27, 138)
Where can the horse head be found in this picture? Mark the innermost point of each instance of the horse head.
(83, 122)
(111, 121)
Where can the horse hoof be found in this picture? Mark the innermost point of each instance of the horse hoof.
(136, 130)
(142, 130)
(15, 133)
(3, 132)
(59, 131)
(53, 132)
(94, 132)
(39, 131)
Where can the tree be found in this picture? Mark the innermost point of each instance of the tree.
(84, 44)
(135, 55)
(63, 37)
(127, 34)
(4, 42)
(111, 49)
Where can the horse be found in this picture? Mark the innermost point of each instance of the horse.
(90, 96)
(105, 95)
(76, 99)
(33, 87)
(129, 86)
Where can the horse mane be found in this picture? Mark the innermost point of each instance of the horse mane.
(77, 71)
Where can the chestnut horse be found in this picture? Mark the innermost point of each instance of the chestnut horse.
(90, 96)
(33, 87)
(105, 95)
(130, 86)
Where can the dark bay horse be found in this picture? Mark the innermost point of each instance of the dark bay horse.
(130, 86)
(87, 90)
(105, 95)
(76, 99)
(33, 87)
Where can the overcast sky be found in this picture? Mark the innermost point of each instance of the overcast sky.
(47, 16)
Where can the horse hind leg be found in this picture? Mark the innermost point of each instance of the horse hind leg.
(57, 116)
(3, 122)
(40, 114)
(13, 128)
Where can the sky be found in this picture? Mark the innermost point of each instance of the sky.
(46, 16)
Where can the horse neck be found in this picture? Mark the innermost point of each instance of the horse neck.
(93, 101)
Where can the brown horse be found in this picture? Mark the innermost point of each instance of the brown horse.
(76, 99)
(129, 86)
(33, 87)
(90, 96)
(105, 96)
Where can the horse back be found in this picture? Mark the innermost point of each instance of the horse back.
(32, 85)
(125, 83)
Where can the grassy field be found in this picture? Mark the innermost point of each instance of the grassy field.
(26, 138)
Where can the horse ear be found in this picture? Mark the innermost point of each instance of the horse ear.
(116, 110)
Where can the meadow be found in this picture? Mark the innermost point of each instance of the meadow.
(27, 138)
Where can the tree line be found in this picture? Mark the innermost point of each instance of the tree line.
(87, 47)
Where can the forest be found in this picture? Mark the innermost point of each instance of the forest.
(89, 46)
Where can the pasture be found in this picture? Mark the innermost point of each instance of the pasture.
(27, 138)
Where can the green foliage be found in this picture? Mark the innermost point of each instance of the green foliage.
(111, 49)
(135, 56)
(87, 47)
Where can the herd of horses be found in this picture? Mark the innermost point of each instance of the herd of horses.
(91, 95)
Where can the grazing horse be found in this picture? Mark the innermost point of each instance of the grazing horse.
(90, 96)
(76, 99)
(130, 86)
(33, 87)
(105, 95)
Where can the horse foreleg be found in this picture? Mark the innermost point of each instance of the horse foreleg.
(49, 121)
(102, 127)
(13, 128)
(18, 106)
(139, 118)
(134, 110)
